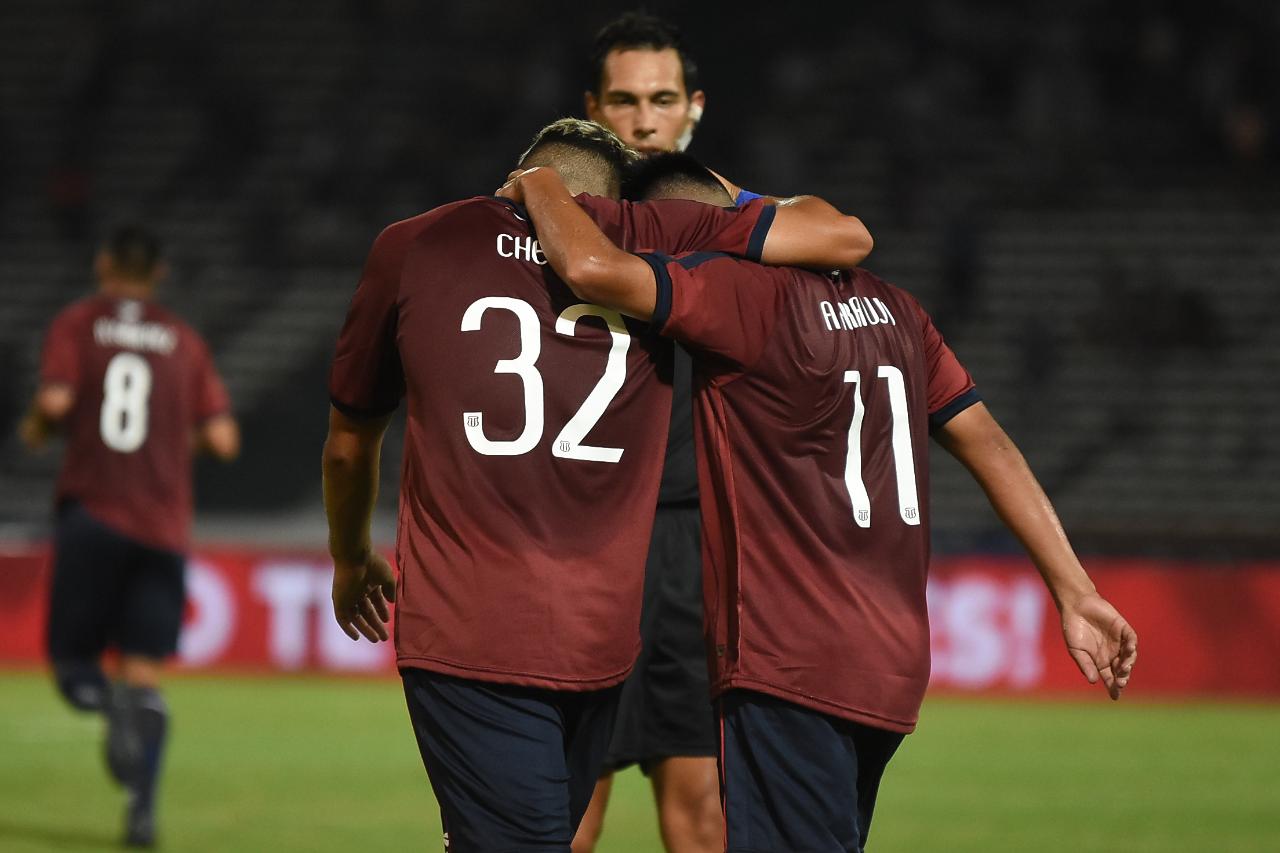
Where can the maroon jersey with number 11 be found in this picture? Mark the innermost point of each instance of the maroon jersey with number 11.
(536, 426)
(143, 381)
(815, 398)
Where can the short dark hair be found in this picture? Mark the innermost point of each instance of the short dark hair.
(134, 250)
(581, 149)
(640, 30)
(673, 175)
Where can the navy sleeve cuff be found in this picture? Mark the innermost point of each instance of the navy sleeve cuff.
(359, 414)
(662, 297)
(955, 407)
(755, 245)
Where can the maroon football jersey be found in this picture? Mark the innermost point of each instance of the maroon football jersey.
(143, 381)
(536, 426)
(815, 398)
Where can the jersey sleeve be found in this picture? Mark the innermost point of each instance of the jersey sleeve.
(675, 226)
(60, 356)
(717, 305)
(366, 379)
(211, 398)
(951, 388)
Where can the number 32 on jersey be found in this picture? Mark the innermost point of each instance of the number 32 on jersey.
(568, 443)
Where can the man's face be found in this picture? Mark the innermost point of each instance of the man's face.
(642, 98)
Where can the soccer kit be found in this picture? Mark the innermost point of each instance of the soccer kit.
(143, 381)
(815, 399)
(535, 425)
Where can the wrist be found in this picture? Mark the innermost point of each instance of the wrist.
(351, 556)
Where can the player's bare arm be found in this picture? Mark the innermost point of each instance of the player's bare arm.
(585, 259)
(50, 407)
(363, 581)
(1100, 641)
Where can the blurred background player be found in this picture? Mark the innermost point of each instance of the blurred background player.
(816, 396)
(515, 621)
(133, 390)
(645, 89)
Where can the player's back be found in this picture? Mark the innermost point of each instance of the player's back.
(814, 416)
(143, 380)
(534, 422)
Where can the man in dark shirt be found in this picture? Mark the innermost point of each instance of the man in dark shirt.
(128, 383)
(535, 427)
(815, 398)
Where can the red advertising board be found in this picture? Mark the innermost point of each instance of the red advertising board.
(1203, 629)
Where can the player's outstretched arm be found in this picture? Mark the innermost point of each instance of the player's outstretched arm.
(810, 232)
(585, 259)
(51, 405)
(363, 581)
(1100, 641)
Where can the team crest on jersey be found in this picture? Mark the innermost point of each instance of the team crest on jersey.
(473, 421)
(864, 515)
(129, 311)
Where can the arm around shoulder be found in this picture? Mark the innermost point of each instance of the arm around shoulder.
(809, 232)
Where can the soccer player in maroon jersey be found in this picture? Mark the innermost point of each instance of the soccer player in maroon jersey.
(816, 395)
(535, 426)
(644, 87)
(134, 391)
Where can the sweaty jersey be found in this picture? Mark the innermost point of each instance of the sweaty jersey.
(143, 381)
(816, 396)
(536, 425)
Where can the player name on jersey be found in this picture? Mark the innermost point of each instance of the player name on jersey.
(152, 337)
(521, 248)
(857, 312)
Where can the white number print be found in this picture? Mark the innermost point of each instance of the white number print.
(568, 443)
(126, 389)
(904, 464)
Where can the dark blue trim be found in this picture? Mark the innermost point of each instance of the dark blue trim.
(358, 414)
(955, 407)
(745, 196)
(662, 298)
(518, 208)
(697, 259)
(755, 245)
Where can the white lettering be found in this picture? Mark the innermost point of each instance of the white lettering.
(847, 320)
(873, 319)
(857, 311)
(289, 592)
(829, 316)
(986, 631)
(521, 248)
(154, 337)
(502, 252)
(884, 311)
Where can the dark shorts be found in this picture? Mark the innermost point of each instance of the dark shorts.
(111, 592)
(666, 709)
(795, 779)
(512, 768)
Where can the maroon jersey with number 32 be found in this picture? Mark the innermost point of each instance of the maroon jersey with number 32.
(815, 398)
(536, 426)
(143, 381)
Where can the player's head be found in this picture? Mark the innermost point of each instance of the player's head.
(130, 256)
(675, 175)
(644, 84)
(588, 157)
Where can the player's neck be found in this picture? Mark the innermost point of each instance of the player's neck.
(126, 289)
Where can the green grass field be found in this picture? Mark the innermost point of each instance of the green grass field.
(266, 764)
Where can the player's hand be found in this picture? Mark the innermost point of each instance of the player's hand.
(513, 189)
(1101, 642)
(361, 591)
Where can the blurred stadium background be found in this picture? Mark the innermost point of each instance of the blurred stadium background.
(1085, 194)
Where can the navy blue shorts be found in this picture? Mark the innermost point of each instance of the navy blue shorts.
(665, 710)
(110, 591)
(797, 780)
(512, 768)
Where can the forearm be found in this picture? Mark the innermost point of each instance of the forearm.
(350, 471)
(1020, 502)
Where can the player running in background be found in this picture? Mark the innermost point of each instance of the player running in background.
(645, 89)
(816, 396)
(535, 423)
(134, 391)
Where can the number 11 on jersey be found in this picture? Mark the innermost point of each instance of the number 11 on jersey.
(904, 465)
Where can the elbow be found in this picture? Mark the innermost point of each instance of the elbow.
(588, 277)
(856, 240)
